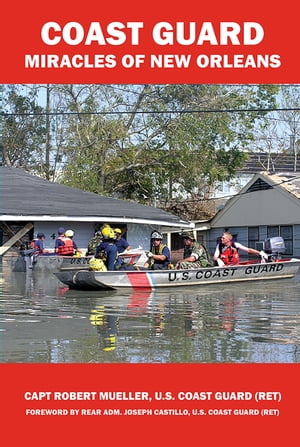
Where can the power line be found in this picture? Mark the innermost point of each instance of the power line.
(158, 112)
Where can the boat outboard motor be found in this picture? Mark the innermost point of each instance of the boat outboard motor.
(274, 247)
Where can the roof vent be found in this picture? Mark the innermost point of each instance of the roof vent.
(259, 185)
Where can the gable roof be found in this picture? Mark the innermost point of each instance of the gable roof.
(264, 200)
(26, 197)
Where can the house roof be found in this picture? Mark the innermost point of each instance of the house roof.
(264, 200)
(274, 162)
(26, 197)
(289, 182)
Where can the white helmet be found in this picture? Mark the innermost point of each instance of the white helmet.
(156, 235)
(69, 233)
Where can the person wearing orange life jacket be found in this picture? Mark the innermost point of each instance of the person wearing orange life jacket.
(64, 246)
(226, 252)
(229, 255)
(70, 234)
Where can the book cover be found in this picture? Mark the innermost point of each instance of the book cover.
(156, 43)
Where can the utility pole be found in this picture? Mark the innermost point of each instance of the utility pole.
(47, 140)
(293, 150)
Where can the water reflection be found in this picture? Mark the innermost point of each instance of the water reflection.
(107, 326)
(43, 321)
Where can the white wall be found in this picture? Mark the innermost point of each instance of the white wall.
(84, 231)
(137, 234)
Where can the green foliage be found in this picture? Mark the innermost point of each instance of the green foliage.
(23, 130)
(143, 142)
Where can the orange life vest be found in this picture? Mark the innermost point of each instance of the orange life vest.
(230, 256)
(33, 245)
(67, 248)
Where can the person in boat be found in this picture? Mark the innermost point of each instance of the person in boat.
(159, 256)
(64, 246)
(70, 234)
(226, 252)
(107, 250)
(38, 245)
(121, 242)
(94, 243)
(96, 263)
(195, 255)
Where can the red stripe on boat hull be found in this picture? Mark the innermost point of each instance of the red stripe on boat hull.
(138, 280)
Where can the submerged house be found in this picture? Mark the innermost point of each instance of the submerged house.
(267, 206)
(30, 205)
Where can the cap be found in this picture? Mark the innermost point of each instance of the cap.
(188, 235)
(39, 235)
(61, 230)
(117, 230)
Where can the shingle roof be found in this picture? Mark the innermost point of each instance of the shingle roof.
(289, 182)
(23, 194)
(274, 163)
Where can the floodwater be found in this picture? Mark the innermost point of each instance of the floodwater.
(43, 322)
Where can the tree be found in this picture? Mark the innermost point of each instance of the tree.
(142, 142)
(23, 130)
(279, 135)
(152, 143)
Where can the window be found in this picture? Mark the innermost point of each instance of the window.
(286, 232)
(253, 237)
(273, 231)
(200, 237)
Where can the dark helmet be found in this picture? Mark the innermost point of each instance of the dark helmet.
(156, 235)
